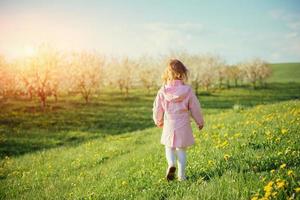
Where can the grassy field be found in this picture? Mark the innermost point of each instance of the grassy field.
(109, 149)
(25, 128)
(234, 158)
(285, 72)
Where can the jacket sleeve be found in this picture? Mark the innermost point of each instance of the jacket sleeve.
(158, 110)
(195, 108)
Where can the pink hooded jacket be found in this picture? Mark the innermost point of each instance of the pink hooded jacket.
(172, 107)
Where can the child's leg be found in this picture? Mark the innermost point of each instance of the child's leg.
(170, 155)
(181, 155)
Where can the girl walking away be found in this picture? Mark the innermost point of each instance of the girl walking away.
(174, 103)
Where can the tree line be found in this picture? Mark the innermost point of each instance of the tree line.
(50, 73)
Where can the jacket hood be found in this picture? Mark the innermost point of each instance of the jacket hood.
(175, 92)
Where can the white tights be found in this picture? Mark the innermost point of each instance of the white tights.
(181, 159)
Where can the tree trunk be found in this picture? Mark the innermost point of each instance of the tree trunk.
(121, 88)
(55, 97)
(254, 84)
(43, 102)
(30, 95)
(127, 91)
(86, 98)
(261, 82)
(235, 82)
(228, 83)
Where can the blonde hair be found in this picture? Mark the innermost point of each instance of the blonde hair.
(175, 71)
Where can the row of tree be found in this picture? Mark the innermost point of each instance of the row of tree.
(211, 71)
(51, 73)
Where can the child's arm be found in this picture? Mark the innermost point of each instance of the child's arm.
(195, 108)
(158, 111)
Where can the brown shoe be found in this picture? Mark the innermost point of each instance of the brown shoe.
(171, 173)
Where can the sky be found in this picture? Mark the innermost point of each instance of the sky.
(236, 30)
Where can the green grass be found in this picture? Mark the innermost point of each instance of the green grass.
(132, 165)
(109, 148)
(285, 72)
(25, 128)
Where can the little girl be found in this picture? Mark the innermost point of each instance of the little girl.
(171, 108)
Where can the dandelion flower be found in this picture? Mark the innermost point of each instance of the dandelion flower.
(268, 189)
(226, 157)
(280, 184)
(254, 198)
(210, 162)
(290, 173)
(284, 131)
(283, 166)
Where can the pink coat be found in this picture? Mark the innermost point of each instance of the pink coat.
(172, 107)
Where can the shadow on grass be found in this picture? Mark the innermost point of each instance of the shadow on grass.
(25, 128)
(16, 145)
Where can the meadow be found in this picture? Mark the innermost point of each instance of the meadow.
(109, 148)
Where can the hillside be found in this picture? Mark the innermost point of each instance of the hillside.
(235, 156)
(285, 72)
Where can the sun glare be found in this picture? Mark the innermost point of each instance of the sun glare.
(29, 51)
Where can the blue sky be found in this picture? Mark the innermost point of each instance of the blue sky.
(236, 29)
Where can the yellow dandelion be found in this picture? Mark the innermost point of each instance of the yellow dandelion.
(224, 144)
(280, 184)
(254, 198)
(272, 171)
(284, 131)
(283, 166)
(210, 162)
(226, 157)
(290, 173)
(268, 187)
(267, 195)
(297, 190)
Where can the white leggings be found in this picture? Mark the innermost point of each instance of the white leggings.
(181, 158)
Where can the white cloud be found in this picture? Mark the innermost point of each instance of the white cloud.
(292, 35)
(287, 45)
(280, 14)
(276, 14)
(294, 25)
(163, 37)
(187, 26)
